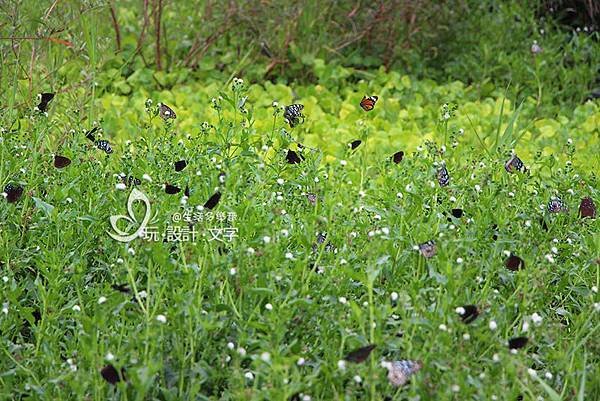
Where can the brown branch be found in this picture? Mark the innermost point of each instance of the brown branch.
(157, 17)
(140, 42)
(115, 22)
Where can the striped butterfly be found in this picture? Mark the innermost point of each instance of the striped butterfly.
(368, 102)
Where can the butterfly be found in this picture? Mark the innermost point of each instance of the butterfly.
(172, 189)
(514, 164)
(355, 144)
(556, 205)
(103, 144)
(213, 201)
(180, 165)
(443, 176)
(517, 342)
(293, 114)
(166, 112)
(428, 249)
(121, 288)
(90, 134)
(45, 98)
(61, 161)
(468, 313)
(368, 102)
(456, 213)
(514, 263)
(13, 192)
(400, 371)
(397, 157)
(361, 354)
(312, 198)
(130, 180)
(587, 208)
(110, 374)
(293, 157)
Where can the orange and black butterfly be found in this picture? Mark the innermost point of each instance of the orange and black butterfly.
(368, 102)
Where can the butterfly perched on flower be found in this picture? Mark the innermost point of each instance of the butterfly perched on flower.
(517, 342)
(45, 98)
(165, 112)
(514, 164)
(103, 144)
(428, 249)
(587, 208)
(293, 157)
(61, 161)
(13, 192)
(556, 205)
(361, 354)
(397, 157)
(468, 313)
(293, 114)
(400, 371)
(368, 102)
(443, 176)
(355, 144)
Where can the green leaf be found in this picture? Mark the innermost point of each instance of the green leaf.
(40, 204)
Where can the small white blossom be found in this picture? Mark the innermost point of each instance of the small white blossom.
(233, 271)
(466, 336)
(101, 300)
(109, 357)
(289, 256)
(285, 232)
(342, 300)
(341, 364)
(459, 260)
(493, 326)
(5, 279)
(357, 379)
(399, 195)
(230, 345)
(76, 308)
(443, 327)
(121, 186)
(241, 351)
(496, 358)
(455, 388)
(147, 178)
(460, 310)
(265, 357)
(528, 223)
(280, 181)
(549, 258)
(266, 239)
(249, 375)
(250, 251)
(343, 162)
(532, 372)
(269, 307)
(548, 375)
(394, 296)
(536, 319)
(525, 326)
(161, 318)
(301, 361)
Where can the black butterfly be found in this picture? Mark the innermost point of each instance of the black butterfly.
(556, 205)
(517, 342)
(172, 189)
(180, 165)
(470, 313)
(103, 144)
(111, 375)
(397, 157)
(45, 98)
(587, 208)
(355, 144)
(213, 201)
(121, 288)
(293, 157)
(90, 134)
(13, 192)
(514, 263)
(166, 112)
(457, 213)
(428, 249)
(61, 161)
(131, 180)
(514, 164)
(443, 176)
(293, 114)
(361, 354)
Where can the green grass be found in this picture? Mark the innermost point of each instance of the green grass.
(59, 261)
